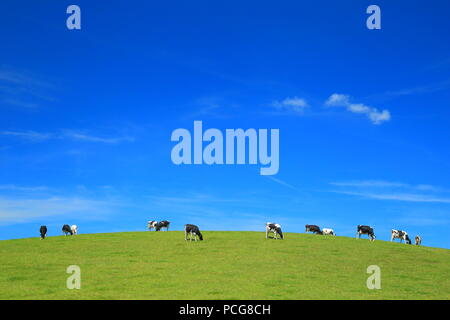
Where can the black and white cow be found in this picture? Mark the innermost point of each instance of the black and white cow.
(193, 231)
(275, 228)
(162, 224)
(151, 224)
(418, 240)
(313, 228)
(67, 230)
(43, 231)
(328, 231)
(400, 234)
(365, 230)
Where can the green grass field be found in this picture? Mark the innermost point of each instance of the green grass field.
(227, 265)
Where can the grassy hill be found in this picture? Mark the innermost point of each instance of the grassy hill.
(227, 265)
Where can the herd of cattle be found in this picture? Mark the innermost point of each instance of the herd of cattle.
(194, 232)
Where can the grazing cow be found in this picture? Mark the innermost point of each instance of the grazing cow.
(400, 234)
(43, 231)
(275, 228)
(418, 240)
(74, 229)
(151, 224)
(313, 228)
(192, 230)
(162, 224)
(66, 229)
(328, 231)
(365, 230)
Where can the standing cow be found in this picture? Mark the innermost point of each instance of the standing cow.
(418, 240)
(400, 234)
(328, 231)
(162, 224)
(313, 228)
(74, 229)
(275, 228)
(193, 231)
(67, 230)
(151, 224)
(43, 231)
(365, 230)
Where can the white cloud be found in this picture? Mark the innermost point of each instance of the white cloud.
(90, 138)
(28, 135)
(21, 89)
(343, 100)
(386, 190)
(72, 135)
(24, 210)
(397, 196)
(386, 184)
(338, 100)
(294, 104)
(13, 187)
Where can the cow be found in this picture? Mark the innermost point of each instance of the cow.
(74, 229)
(328, 231)
(66, 229)
(275, 228)
(313, 228)
(43, 231)
(193, 231)
(151, 224)
(162, 224)
(418, 240)
(365, 230)
(400, 234)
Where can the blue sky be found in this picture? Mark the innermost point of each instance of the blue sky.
(363, 115)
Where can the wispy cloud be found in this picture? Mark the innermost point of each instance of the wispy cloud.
(28, 135)
(342, 100)
(295, 105)
(90, 138)
(429, 88)
(386, 190)
(13, 187)
(20, 89)
(24, 210)
(71, 135)
(281, 182)
(396, 196)
(385, 184)
(19, 204)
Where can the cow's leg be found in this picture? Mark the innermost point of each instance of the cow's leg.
(267, 233)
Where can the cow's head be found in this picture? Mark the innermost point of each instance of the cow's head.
(407, 239)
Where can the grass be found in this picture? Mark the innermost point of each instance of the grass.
(227, 265)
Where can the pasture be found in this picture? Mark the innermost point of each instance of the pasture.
(227, 265)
